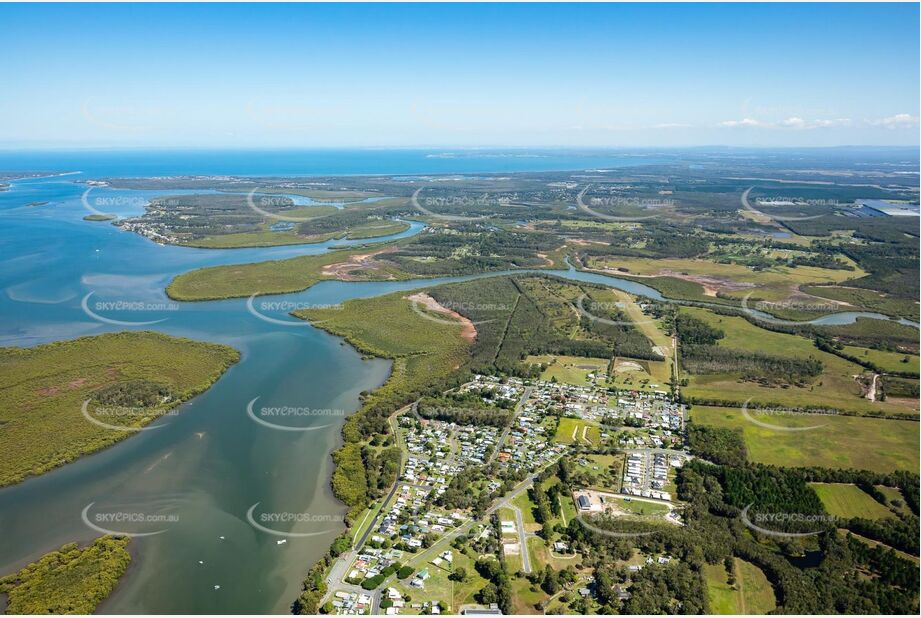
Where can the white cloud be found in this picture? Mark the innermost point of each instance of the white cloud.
(898, 121)
(792, 122)
(795, 122)
(745, 122)
(833, 122)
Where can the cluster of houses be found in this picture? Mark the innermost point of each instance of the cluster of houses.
(662, 560)
(654, 410)
(410, 535)
(351, 603)
(395, 604)
(529, 446)
(476, 443)
(499, 389)
(586, 402)
(371, 562)
(646, 474)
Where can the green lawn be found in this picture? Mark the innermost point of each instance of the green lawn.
(523, 502)
(577, 431)
(437, 588)
(526, 596)
(841, 442)
(641, 508)
(43, 390)
(570, 369)
(895, 498)
(887, 361)
(834, 388)
(464, 591)
(751, 594)
(847, 501)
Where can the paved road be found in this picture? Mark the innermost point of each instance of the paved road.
(375, 523)
(522, 539)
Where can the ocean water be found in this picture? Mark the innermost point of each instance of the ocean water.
(96, 163)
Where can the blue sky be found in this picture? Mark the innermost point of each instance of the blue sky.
(286, 75)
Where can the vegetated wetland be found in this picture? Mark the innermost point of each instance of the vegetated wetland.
(527, 325)
(126, 380)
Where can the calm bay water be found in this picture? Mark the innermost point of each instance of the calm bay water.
(209, 464)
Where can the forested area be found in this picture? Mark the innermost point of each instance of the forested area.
(71, 580)
(473, 248)
(463, 411)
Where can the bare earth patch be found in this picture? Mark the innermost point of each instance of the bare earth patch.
(711, 285)
(468, 330)
(343, 271)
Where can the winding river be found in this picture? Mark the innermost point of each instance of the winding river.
(207, 466)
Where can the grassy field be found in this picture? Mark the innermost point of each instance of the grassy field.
(751, 594)
(464, 591)
(43, 390)
(603, 471)
(437, 588)
(273, 277)
(642, 375)
(887, 361)
(870, 300)
(264, 238)
(641, 508)
(847, 501)
(577, 431)
(841, 442)
(834, 388)
(775, 283)
(570, 369)
(526, 596)
(72, 580)
(523, 502)
(647, 326)
(895, 499)
(376, 229)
